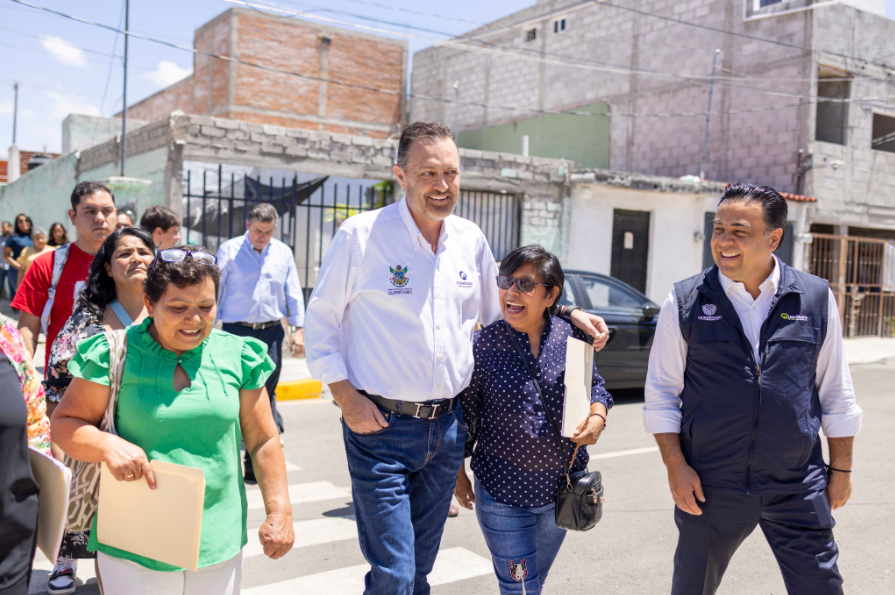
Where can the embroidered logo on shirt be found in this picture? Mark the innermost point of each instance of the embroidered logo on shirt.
(794, 317)
(464, 282)
(400, 280)
(463, 275)
(518, 572)
(709, 311)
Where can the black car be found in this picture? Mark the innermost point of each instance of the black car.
(631, 318)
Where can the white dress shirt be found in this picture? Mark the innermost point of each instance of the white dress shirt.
(668, 359)
(394, 318)
(259, 286)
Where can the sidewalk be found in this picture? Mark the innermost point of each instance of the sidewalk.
(868, 350)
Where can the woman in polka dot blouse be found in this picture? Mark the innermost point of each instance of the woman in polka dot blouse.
(515, 458)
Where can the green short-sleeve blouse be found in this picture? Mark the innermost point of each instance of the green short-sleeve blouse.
(198, 426)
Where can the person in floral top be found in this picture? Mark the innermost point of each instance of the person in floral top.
(23, 423)
(112, 299)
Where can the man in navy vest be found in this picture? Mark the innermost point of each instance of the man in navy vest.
(746, 367)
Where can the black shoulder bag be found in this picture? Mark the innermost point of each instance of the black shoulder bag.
(579, 501)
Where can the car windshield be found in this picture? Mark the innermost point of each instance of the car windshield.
(604, 294)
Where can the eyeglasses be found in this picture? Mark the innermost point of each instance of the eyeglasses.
(525, 285)
(179, 255)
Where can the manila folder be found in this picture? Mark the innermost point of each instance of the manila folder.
(579, 378)
(163, 524)
(54, 480)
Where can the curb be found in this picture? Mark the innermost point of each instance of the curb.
(293, 390)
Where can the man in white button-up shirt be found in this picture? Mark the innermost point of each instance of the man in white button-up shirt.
(746, 366)
(389, 329)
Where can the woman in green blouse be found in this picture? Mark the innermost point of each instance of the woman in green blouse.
(189, 395)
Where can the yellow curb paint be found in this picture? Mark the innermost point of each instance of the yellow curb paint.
(294, 390)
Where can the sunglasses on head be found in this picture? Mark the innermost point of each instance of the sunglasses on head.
(179, 255)
(524, 285)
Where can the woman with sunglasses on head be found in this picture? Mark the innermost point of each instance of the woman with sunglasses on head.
(515, 456)
(189, 395)
(111, 300)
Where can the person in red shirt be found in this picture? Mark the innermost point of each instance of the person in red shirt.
(94, 216)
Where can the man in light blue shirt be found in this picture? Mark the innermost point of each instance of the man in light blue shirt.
(259, 288)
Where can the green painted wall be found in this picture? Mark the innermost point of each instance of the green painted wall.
(583, 139)
(146, 166)
(44, 193)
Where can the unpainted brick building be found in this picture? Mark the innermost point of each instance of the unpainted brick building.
(327, 88)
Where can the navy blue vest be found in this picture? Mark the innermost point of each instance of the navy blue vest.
(752, 426)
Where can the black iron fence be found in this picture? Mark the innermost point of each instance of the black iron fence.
(312, 211)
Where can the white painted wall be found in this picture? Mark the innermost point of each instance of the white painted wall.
(674, 254)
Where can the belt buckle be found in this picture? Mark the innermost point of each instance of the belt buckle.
(417, 413)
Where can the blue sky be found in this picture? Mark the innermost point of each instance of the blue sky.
(66, 67)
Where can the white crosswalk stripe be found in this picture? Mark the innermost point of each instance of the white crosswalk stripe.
(315, 532)
(453, 564)
(301, 493)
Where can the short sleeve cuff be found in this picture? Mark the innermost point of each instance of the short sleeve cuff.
(328, 369)
(256, 364)
(662, 421)
(91, 362)
(843, 425)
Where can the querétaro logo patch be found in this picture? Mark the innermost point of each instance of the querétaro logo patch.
(463, 282)
(399, 276)
(709, 310)
(400, 280)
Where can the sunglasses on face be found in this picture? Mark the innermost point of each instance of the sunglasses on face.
(179, 255)
(524, 285)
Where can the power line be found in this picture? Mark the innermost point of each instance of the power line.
(49, 90)
(44, 38)
(413, 95)
(416, 12)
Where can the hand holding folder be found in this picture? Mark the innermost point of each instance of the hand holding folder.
(164, 524)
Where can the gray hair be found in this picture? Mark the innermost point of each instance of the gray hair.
(418, 130)
(263, 212)
(39, 231)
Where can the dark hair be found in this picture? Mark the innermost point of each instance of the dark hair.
(418, 130)
(100, 288)
(15, 227)
(6, 223)
(773, 205)
(86, 189)
(263, 212)
(546, 264)
(51, 241)
(182, 274)
(156, 216)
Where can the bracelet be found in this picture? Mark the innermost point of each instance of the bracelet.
(601, 416)
(566, 311)
(839, 470)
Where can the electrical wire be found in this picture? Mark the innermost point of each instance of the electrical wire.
(44, 39)
(415, 95)
(48, 89)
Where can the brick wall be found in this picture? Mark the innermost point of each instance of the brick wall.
(250, 94)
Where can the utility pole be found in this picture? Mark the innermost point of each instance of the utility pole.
(708, 115)
(15, 110)
(456, 86)
(127, 8)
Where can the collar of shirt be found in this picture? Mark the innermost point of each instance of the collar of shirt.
(247, 245)
(771, 283)
(416, 236)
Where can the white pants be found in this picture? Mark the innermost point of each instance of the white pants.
(123, 577)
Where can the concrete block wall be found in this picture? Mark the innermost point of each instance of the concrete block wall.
(591, 61)
(43, 193)
(320, 53)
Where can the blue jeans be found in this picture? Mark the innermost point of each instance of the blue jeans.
(9, 277)
(402, 481)
(523, 542)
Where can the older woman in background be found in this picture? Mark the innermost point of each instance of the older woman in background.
(212, 386)
(112, 299)
(516, 458)
(39, 247)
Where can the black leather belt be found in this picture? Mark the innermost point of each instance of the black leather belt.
(426, 410)
(258, 326)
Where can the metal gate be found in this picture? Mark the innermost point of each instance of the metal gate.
(861, 272)
(311, 212)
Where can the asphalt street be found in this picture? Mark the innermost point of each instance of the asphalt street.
(629, 552)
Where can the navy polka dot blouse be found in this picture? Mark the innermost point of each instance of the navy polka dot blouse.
(514, 452)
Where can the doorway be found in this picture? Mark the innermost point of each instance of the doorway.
(630, 247)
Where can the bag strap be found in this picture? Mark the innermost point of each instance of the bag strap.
(566, 468)
(117, 352)
(121, 313)
(60, 257)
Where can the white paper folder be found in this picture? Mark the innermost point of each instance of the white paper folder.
(579, 380)
(163, 524)
(54, 480)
